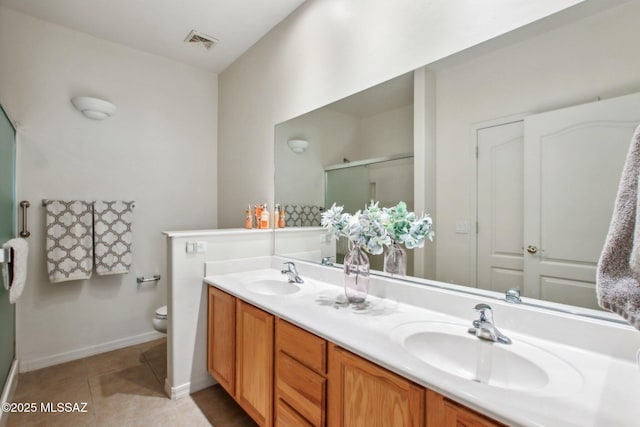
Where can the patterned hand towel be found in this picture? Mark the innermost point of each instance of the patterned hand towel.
(69, 242)
(618, 273)
(112, 236)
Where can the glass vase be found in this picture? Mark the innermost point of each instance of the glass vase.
(395, 259)
(356, 275)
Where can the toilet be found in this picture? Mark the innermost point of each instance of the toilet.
(160, 319)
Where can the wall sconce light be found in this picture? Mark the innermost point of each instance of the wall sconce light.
(298, 145)
(93, 108)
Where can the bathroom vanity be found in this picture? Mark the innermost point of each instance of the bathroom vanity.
(293, 354)
(283, 375)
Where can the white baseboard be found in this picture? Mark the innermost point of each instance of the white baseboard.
(8, 391)
(186, 389)
(178, 392)
(55, 359)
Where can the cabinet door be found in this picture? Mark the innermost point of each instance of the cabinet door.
(362, 394)
(221, 355)
(442, 412)
(254, 362)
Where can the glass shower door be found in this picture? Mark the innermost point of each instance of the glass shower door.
(7, 231)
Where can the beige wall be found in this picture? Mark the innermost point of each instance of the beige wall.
(327, 50)
(159, 150)
(387, 133)
(300, 177)
(334, 136)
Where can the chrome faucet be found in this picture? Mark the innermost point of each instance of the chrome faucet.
(326, 260)
(513, 296)
(484, 328)
(292, 273)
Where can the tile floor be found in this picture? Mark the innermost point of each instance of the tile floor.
(121, 388)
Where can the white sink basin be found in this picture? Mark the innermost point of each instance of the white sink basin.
(519, 366)
(272, 287)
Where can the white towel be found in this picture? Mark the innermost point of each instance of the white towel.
(20, 249)
(112, 236)
(618, 273)
(69, 243)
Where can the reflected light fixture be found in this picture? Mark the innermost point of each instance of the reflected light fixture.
(93, 108)
(298, 145)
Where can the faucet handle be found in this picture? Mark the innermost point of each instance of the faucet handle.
(513, 295)
(485, 312)
(292, 272)
(326, 260)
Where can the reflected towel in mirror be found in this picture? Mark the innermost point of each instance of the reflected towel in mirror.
(303, 215)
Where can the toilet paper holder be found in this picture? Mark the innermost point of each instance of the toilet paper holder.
(143, 279)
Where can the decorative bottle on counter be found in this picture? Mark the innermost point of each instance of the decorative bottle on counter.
(258, 214)
(264, 217)
(248, 218)
(281, 221)
(276, 216)
(356, 275)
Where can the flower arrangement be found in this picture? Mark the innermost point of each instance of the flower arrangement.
(404, 227)
(364, 228)
(375, 227)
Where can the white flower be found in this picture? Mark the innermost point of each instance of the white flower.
(403, 227)
(334, 220)
(420, 229)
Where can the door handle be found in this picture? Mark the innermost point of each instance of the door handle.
(532, 249)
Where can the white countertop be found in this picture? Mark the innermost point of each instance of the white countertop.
(216, 232)
(597, 389)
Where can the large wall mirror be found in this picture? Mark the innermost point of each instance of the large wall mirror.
(530, 136)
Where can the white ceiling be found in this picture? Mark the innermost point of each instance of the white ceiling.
(160, 26)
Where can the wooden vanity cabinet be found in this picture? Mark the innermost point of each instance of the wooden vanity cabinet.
(363, 394)
(254, 362)
(240, 353)
(221, 339)
(300, 377)
(314, 383)
(442, 412)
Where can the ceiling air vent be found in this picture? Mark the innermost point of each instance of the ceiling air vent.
(207, 41)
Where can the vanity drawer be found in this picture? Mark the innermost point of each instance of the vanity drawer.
(303, 346)
(301, 388)
(288, 417)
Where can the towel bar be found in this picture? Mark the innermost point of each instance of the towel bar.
(25, 205)
(143, 279)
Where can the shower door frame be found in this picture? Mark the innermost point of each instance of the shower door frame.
(8, 231)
